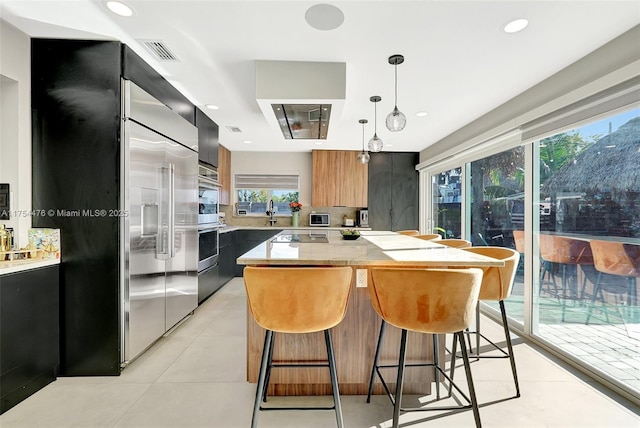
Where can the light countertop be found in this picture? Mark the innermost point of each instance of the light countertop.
(228, 228)
(14, 266)
(374, 248)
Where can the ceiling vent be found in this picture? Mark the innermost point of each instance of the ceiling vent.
(298, 98)
(159, 50)
(233, 129)
(303, 121)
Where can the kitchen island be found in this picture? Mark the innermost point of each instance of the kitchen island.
(355, 337)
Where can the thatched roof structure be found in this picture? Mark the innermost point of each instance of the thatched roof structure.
(610, 164)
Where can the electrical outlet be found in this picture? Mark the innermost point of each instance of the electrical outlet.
(361, 278)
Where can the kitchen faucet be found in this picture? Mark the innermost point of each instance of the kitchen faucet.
(271, 213)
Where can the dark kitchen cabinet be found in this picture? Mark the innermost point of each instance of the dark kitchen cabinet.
(249, 239)
(393, 191)
(29, 333)
(227, 257)
(214, 278)
(208, 282)
(207, 139)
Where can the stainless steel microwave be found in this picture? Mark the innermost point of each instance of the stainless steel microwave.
(319, 219)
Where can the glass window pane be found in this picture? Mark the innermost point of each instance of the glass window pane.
(497, 209)
(587, 187)
(255, 201)
(447, 198)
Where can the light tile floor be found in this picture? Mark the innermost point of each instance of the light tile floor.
(195, 377)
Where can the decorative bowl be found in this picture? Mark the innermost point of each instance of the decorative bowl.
(350, 235)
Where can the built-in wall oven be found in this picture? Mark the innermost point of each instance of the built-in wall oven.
(208, 232)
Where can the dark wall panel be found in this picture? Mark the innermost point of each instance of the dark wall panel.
(405, 191)
(393, 191)
(380, 179)
(76, 167)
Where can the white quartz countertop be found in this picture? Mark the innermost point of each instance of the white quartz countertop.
(14, 266)
(374, 248)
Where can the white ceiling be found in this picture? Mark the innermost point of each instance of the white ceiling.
(459, 64)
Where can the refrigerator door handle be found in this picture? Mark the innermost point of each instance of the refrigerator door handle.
(172, 211)
(166, 233)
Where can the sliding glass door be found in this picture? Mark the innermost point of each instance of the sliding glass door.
(446, 191)
(496, 213)
(587, 237)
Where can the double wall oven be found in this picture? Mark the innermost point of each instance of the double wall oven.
(208, 231)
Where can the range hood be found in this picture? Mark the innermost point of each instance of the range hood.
(299, 98)
(303, 121)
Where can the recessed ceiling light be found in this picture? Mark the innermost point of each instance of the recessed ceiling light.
(388, 145)
(318, 143)
(212, 106)
(119, 8)
(421, 114)
(516, 25)
(324, 17)
(247, 142)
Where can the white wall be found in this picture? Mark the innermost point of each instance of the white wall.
(276, 163)
(15, 121)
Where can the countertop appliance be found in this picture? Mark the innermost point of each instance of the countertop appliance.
(362, 217)
(160, 235)
(320, 219)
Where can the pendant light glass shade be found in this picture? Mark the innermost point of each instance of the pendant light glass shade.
(396, 120)
(363, 157)
(375, 143)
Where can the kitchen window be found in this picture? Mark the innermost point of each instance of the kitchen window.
(254, 191)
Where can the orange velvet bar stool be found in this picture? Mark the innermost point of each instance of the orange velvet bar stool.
(433, 301)
(297, 300)
(567, 253)
(409, 232)
(429, 237)
(518, 240)
(455, 243)
(615, 258)
(497, 283)
(519, 243)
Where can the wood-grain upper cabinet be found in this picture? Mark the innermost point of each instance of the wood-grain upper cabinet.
(224, 175)
(338, 179)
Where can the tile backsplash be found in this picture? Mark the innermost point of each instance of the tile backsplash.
(337, 215)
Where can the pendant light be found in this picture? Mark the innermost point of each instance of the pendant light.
(375, 143)
(396, 120)
(363, 157)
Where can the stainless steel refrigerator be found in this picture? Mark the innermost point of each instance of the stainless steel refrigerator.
(159, 242)
(99, 146)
